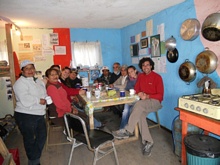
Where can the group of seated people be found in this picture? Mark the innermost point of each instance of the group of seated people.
(61, 86)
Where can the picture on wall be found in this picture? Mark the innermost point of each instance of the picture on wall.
(134, 49)
(155, 46)
(144, 43)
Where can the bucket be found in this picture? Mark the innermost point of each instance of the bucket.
(202, 150)
(177, 134)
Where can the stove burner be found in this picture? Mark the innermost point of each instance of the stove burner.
(214, 102)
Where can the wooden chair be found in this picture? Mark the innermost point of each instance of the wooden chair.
(8, 158)
(158, 121)
(94, 139)
(50, 127)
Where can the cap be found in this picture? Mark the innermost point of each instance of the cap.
(105, 68)
(25, 63)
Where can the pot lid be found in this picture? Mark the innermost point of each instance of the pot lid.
(190, 29)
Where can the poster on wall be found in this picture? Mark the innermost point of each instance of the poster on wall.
(60, 50)
(155, 46)
(54, 39)
(134, 49)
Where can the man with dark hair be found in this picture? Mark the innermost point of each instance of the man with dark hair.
(150, 89)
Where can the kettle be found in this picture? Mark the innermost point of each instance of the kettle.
(207, 89)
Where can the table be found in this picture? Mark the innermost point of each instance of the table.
(206, 123)
(104, 101)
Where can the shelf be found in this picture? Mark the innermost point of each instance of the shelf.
(4, 71)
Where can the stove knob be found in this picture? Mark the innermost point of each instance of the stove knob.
(205, 110)
(192, 107)
(186, 105)
(198, 108)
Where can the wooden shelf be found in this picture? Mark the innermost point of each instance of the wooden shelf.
(4, 71)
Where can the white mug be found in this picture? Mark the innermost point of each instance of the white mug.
(132, 91)
(48, 100)
(88, 94)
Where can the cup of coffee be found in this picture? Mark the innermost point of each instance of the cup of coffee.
(132, 91)
(48, 100)
(122, 93)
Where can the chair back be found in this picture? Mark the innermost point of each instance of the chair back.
(77, 124)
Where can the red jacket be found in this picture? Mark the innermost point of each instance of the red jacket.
(59, 97)
(151, 84)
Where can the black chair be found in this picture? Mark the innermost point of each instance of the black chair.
(94, 139)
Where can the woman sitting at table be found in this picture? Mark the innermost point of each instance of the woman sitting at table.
(61, 104)
(131, 80)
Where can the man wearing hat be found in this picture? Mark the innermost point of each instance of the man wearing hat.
(106, 75)
(30, 110)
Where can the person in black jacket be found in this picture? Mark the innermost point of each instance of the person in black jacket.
(116, 72)
(72, 80)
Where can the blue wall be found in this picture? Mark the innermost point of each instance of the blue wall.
(110, 40)
(116, 47)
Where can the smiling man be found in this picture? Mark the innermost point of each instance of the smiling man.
(150, 89)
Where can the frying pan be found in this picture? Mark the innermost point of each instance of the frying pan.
(172, 55)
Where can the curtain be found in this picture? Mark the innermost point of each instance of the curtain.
(86, 54)
(3, 51)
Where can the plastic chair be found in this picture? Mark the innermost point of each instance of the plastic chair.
(94, 139)
(51, 126)
(158, 121)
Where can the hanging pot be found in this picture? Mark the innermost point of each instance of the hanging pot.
(206, 61)
(172, 55)
(190, 29)
(211, 27)
(187, 71)
(170, 43)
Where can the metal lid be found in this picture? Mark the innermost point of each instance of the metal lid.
(202, 145)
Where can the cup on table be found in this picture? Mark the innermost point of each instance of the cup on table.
(88, 94)
(132, 91)
(48, 100)
(122, 93)
(84, 89)
(77, 85)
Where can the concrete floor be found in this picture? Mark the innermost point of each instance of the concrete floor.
(128, 153)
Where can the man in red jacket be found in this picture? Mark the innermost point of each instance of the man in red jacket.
(150, 89)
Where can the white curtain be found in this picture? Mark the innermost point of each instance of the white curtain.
(3, 51)
(86, 54)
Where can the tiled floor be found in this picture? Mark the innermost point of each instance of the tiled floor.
(128, 153)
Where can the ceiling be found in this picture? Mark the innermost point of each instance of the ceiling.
(79, 13)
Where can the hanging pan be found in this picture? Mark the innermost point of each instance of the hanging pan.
(187, 71)
(172, 55)
(206, 61)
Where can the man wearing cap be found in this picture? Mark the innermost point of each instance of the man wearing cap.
(106, 75)
(30, 110)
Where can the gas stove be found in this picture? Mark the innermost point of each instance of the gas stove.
(206, 105)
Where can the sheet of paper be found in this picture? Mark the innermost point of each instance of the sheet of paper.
(160, 30)
(149, 27)
(135, 60)
(60, 50)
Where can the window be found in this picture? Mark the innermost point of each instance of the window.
(3, 51)
(86, 53)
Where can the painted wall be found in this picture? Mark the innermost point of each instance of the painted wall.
(174, 86)
(37, 36)
(110, 40)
